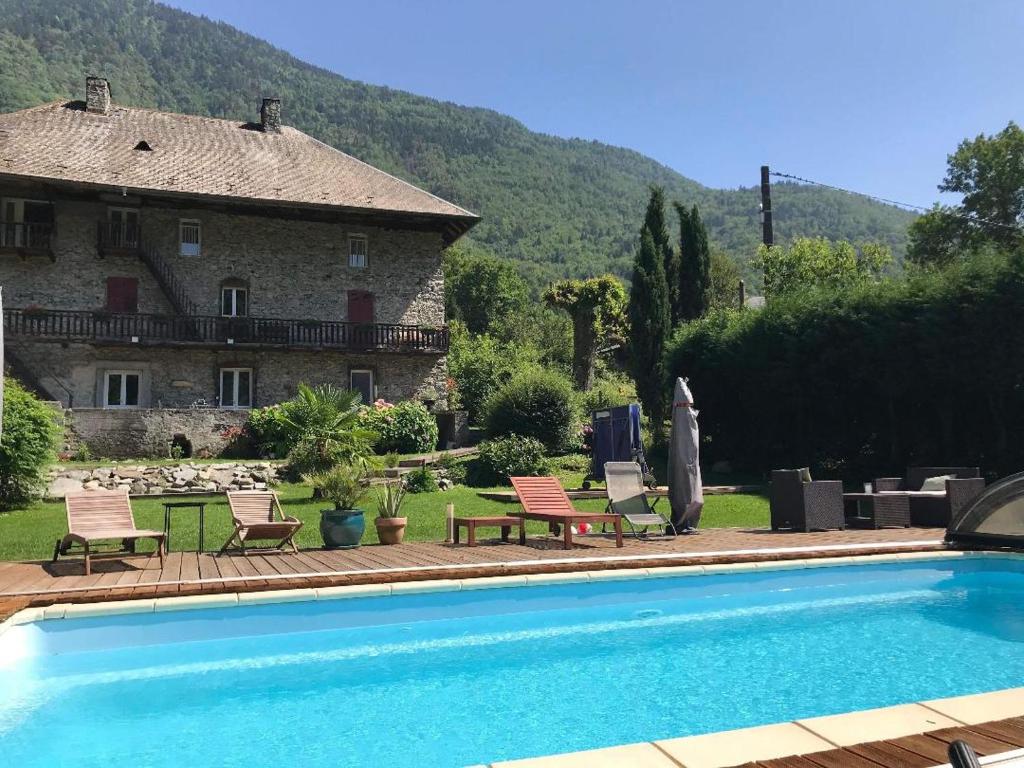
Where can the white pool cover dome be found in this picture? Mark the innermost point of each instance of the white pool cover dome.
(995, 518)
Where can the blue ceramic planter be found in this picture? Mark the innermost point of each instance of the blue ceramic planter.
(342, 528)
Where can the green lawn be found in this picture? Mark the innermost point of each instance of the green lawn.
(30, 533)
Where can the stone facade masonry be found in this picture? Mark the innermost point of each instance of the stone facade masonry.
(175, 378)
(292, 268)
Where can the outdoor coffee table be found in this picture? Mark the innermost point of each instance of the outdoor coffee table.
(172, 505)
(505, 522)
(877, 510)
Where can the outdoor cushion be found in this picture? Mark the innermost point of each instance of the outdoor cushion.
(937, 483)
(805, 474)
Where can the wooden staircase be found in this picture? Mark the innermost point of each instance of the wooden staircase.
(169, 283)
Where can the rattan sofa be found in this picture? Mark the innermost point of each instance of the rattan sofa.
(934, 510)
(805, 506)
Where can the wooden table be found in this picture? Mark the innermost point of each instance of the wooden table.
(566, 520)
(876, 510)
(505, 522)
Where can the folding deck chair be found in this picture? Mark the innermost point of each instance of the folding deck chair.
(257, 516)
(627, 497)
(95, 517)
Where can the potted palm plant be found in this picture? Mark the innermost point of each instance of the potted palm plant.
(341, 527)
(390, 527)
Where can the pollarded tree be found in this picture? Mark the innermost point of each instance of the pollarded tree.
(598, 310)
(650, 323)
(694, 266)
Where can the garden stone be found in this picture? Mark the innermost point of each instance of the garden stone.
(60, 486)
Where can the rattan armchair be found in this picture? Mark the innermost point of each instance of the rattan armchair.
(805, 506)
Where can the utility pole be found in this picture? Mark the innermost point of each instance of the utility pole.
(767, 232)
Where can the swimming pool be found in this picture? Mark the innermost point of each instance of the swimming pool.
(455, 678)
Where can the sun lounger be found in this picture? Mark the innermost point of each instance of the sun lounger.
(627, 497)
(95, 517)
(544, 498)
(257, 516)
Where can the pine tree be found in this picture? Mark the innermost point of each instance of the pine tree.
(650, 322)
(694, 266)
(656, 222)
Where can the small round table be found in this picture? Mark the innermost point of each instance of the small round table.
(170, 505)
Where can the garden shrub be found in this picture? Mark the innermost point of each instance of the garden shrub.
(269, 432)
(454, 469)
(407, 427)
(420, 480)
(28, 445)
(505, 457)
(536, 404)
(478, 365)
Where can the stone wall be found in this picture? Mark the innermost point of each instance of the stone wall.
(146, 480)
(292, 268)
(175, 378)
(148, 433)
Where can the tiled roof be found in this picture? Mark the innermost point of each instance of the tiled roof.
(200, 156)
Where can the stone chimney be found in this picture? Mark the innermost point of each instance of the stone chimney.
(97, 95)
(270, 115)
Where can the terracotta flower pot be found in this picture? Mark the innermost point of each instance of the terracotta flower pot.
(390, 530)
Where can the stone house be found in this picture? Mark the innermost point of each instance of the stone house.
(157, 262)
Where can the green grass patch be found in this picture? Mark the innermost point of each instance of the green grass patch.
(30, 533)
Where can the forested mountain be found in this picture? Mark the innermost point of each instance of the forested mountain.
(559, 207)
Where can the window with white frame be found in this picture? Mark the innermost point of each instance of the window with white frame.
(357, 251)
(361, 381)
(190, 237)
(236, 387)
(234, 301)
(121, 389)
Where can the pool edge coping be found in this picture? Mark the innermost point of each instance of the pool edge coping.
(70, 610)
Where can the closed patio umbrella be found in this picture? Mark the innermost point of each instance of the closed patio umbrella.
(684, 484)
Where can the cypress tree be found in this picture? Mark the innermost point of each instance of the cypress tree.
(650, 322)
(656, 222)
(694, 265)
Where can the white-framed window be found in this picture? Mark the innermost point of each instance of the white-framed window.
(121, 389)
(357, 251)
(190, 237)
(361, 381)
(234, 301)
(236, 387)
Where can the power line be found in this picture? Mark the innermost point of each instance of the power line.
(897, 203)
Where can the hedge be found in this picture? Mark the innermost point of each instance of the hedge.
(923, 370)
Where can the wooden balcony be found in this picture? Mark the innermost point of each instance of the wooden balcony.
(211, 331)
(113, 239)
(26, 238)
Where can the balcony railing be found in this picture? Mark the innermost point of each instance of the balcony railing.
(179, 330)
(115, 238)
(26, 238)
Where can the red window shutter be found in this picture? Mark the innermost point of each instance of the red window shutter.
(122, 294)
(360, 307)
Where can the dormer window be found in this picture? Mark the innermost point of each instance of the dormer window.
(143, 146)
(357, 251)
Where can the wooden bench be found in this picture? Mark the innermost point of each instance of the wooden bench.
(472, 523)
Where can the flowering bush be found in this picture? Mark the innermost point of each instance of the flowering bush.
(269, 432)
(407, 427)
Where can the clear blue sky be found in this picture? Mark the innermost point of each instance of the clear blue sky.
(866, 94)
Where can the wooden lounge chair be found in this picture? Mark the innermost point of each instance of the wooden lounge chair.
(98, 516)
(627, 497)
(257, 516)
(544, 498)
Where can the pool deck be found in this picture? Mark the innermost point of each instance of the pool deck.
(41, 583)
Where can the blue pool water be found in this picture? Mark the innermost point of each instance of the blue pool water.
(450, 679)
